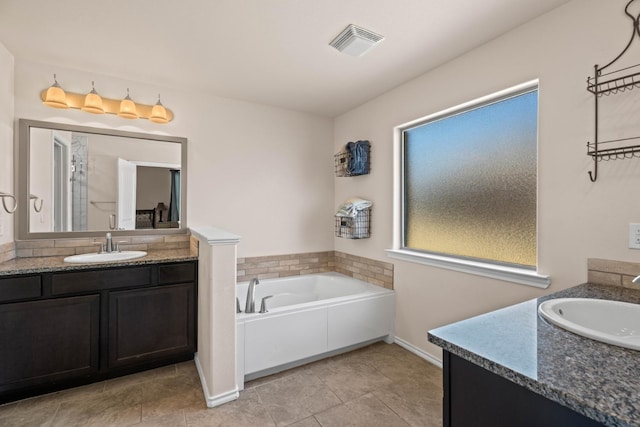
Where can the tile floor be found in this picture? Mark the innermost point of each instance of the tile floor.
(379, 385)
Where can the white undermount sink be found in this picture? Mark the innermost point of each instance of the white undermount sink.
(611, 322)
(93, 258)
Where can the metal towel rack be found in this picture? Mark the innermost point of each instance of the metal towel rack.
(617, 81)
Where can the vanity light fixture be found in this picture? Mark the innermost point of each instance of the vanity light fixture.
(128, 108)
(55, 96)
(158, 113)
(355, 41)
(93, 102)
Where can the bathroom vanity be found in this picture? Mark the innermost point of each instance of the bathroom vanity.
(512, 368)
(63, 325)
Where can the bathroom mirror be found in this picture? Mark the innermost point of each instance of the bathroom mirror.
(77, 181)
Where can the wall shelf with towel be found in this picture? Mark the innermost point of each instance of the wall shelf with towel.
(354, 159)
(605, 84)
(353, 219)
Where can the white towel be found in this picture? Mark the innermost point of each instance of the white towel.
(351, 207)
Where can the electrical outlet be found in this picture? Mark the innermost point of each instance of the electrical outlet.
(634, 236)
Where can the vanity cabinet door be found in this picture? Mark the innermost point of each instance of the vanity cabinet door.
(150, 324)
(48, 341)
(475, 397)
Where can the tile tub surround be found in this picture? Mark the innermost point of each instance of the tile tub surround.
(594, 379)
(65, 247)
(613, 273)
(276, 266)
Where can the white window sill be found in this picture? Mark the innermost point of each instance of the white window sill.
(510, 274)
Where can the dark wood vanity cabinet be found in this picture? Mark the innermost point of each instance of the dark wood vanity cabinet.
(164, 319)
(475, 397)
(63, 329)
(49, 340)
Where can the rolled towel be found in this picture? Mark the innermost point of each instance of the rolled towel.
(351, 207)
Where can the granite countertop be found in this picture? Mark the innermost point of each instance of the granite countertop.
(48, 264)
(597, 380)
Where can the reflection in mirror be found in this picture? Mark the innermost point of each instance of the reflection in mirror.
(96, 180)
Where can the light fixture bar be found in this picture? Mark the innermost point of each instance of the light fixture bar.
(110, 106)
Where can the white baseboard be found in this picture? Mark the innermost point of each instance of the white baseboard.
(219, 399)
(418, 352)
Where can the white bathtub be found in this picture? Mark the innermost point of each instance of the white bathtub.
(309, 317)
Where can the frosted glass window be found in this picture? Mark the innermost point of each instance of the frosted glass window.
(469, 184)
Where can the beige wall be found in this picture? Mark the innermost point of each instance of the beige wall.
(153, 186)
(262, 172)
(6, 139)
(577, 219)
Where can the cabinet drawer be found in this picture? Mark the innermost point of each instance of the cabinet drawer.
(15, 288)
(83, 281)
(176, 273)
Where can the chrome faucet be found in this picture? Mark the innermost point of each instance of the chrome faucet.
(250, 305)
(109, 245)
(263, 306)
(636, 280)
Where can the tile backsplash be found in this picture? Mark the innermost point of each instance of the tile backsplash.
(264, 267)
(7, 251)
(613, 273)
(64, 247)
(275, 266)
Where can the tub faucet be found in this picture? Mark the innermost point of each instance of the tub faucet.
(636, 280)
(263, 306)
(250, 305)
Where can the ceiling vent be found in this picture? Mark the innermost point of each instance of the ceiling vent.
(355, 41)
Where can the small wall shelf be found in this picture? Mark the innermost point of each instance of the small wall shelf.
(611, 83)
(354, 160)
(358, 227)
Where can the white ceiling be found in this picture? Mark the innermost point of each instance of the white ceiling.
(266, 51)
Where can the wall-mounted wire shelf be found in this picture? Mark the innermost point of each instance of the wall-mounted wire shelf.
(358, 227)
(354, 160)
(611, 83)
(616, 81)
(615, 149)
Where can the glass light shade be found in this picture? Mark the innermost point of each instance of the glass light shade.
(159, 114)
(55, 97)
(93, 103)
(128, 109)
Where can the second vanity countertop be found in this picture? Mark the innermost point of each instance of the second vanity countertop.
(56, 263)
(597, 380)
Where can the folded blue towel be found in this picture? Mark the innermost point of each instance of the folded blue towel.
(358, 157)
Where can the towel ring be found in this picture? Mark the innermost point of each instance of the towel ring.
(4, 197)
(35, 201)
